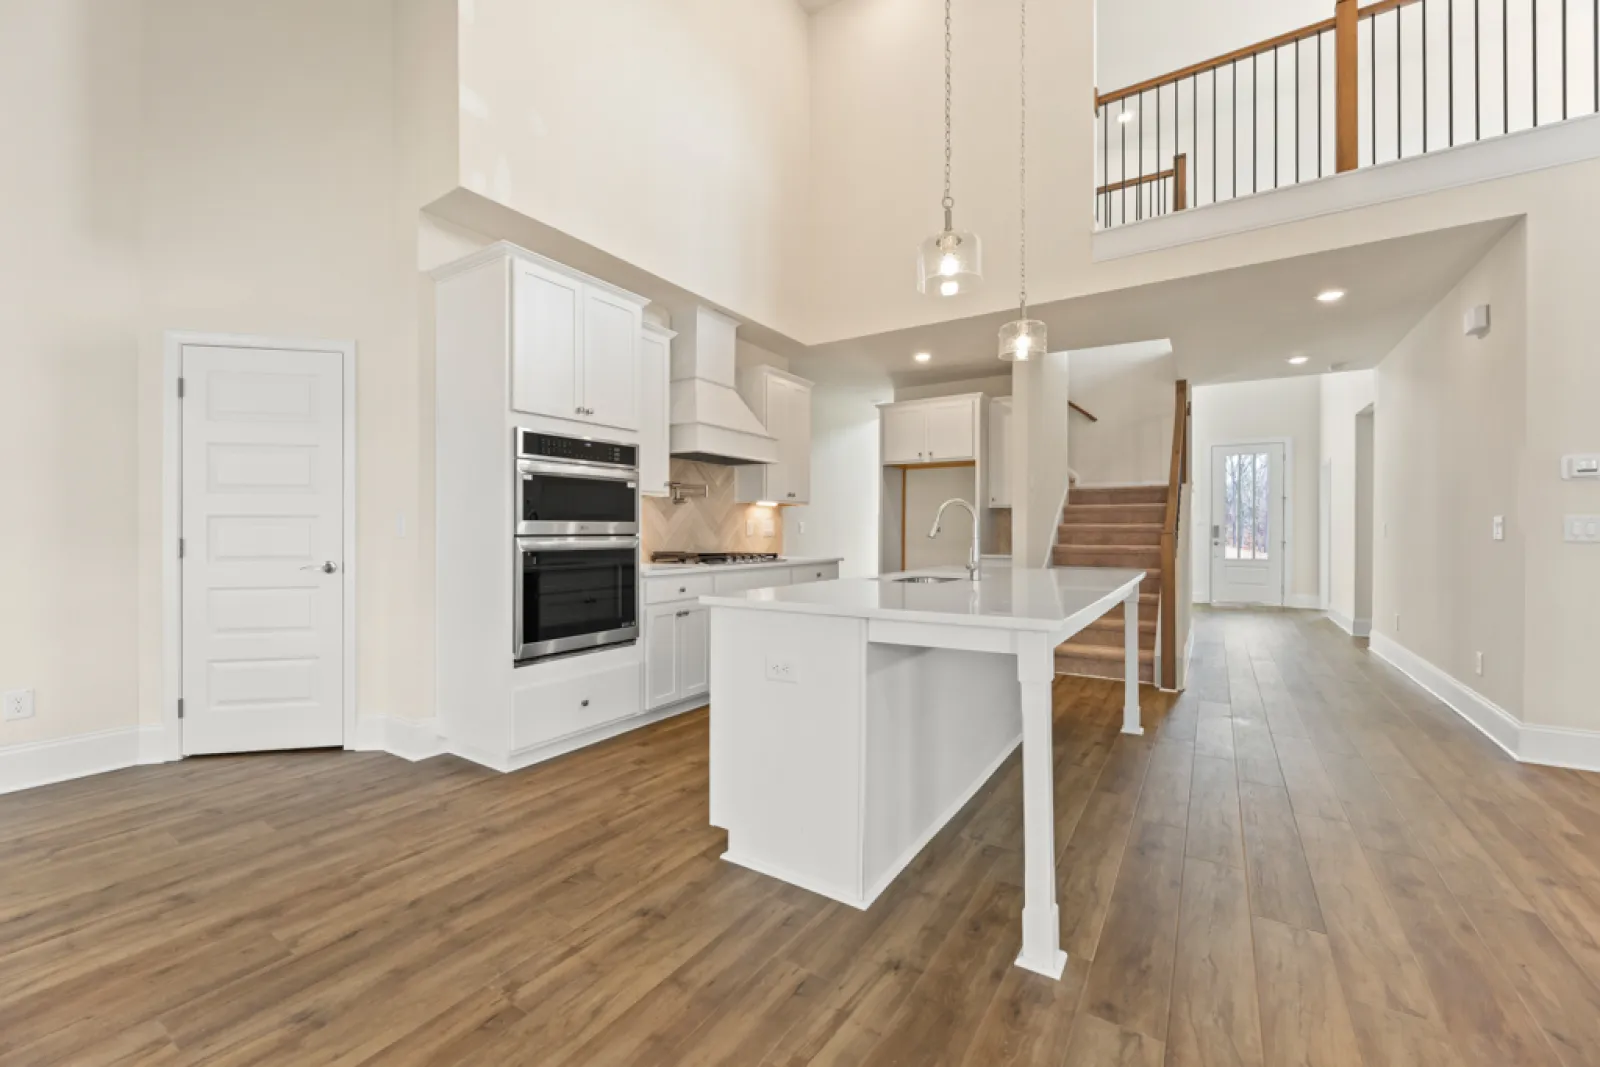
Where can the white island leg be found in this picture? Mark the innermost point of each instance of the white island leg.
(1130, 669)
(1041, 918)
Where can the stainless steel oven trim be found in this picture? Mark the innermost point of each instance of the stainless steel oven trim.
(575, 469)
(586, 530)
(555, 528)
(540, 649)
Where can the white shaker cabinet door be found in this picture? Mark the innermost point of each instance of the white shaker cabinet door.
(661, 632)
(950, 430)
(546, 328)
(797, 445)
(694, 651)
(905, 432)
(610, 360)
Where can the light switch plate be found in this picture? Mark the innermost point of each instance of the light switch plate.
(1582, 465)
(782, 670)
(1582, 529)
(1499, 528)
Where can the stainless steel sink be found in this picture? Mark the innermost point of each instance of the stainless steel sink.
(925, 579)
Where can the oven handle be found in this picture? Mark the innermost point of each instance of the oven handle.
(592, 474)
(574, 544)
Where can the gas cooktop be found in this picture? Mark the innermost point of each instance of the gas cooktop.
(714, 557)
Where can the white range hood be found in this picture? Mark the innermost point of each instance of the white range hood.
(709, 420)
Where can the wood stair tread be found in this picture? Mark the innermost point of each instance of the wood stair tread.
(1112, 653)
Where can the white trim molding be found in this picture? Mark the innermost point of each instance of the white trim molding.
(1353, 627)
(409, 739)
(62, 759)
(1552, 746)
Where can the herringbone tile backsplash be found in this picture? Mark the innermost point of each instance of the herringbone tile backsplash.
(712, 523)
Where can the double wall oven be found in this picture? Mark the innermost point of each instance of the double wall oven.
(577, 537)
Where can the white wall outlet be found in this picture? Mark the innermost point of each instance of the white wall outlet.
(802, 526)
(749, 527)
(1580, 466)
(1478, 665)
(1583, 529)
(1475, 322)
(782, 670)
(1499, 529)
(1397, 622)
(17, 704)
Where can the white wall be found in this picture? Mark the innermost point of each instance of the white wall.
(1450, 434)
(842, 518)
(1139, 39)
(1039, 468)
(989, 384)
(674, 134)
(1343, 396)
(1248, 411)
(69, 450)
(1129, 389)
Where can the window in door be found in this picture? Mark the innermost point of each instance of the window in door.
(1247, 507)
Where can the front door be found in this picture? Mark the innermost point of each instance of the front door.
(263, 549)
(1247, 524)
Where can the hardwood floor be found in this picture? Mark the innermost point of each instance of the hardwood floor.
(1306, 860)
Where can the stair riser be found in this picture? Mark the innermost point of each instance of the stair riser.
(1131, 494)
(1066, 664)
(1119, 513)
(1107, 556)
(1088, 534)
(1111, 638)
(1147, 611)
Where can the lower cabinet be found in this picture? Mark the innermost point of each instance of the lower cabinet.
(677, 653)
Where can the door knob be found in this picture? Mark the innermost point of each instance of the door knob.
(326, 568)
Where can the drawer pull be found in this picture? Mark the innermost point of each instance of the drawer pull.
(683, 589)
(585, 703)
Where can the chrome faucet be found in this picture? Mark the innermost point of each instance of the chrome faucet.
(974, 569)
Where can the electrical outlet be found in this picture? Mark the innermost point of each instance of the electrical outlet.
(782, 670)
(1479, 665)
(1397, 622)
(1582, 528)
(802, 526)
(749, 527)
(1499, 530)
(17, 704)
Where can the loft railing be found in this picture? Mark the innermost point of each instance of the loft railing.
(1371, 84)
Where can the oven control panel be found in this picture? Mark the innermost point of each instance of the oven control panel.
(532, 445)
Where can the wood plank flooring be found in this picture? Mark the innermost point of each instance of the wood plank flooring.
(1306, 860)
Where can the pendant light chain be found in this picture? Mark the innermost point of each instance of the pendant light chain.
(949, 201)
(1022, 66)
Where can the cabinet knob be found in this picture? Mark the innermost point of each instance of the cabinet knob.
(585, 703)
(683, 589)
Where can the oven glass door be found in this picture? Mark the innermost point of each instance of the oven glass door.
(574, 594)
(556, 500)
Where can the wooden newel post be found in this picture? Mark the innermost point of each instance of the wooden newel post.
(1346, 80)
(1180, 181)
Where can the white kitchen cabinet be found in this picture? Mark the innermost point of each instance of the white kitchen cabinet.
(783, 404)
(940, 430)
(694, 652)
(655, 459)
(661, 654)
(814, 572)
(999, 460)
(574, 347)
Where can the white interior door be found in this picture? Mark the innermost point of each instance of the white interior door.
(1247, 517)
(263, 529)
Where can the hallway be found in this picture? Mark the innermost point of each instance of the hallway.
(1306, 860)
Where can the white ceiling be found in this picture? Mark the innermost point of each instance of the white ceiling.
(1234, 325)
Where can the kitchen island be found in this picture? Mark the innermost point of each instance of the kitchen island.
(854, 718)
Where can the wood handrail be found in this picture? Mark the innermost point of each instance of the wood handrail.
(1129, 183)
(1073, 404)
(1282, 40)
(1177, 478)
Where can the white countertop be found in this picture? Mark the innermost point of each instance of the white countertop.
(1006, 598)
(786, 561)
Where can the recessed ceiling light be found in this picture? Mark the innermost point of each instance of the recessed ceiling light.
(923, 357)
(1331, 296)
(1126, 117)
(1297, 360)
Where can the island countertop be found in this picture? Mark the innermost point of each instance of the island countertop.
(1006, 598)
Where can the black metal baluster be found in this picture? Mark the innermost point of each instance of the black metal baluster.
(1477, 72)
(1372, 48)
(1399, 88)
(1233, 139)
(1450, 57)
(1319, 103)
(1158, 129)
(1194, 133)
(1255, 122)
(1424, 77)
(1214, 196)
(1122, 172)
(1505, 65)
(1139, 194)
(1297, 112)
(1277, 127)
(1595, 25)
(1563, 59)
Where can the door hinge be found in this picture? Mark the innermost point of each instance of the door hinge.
(182, 547)
(180, 707)
(180, 389)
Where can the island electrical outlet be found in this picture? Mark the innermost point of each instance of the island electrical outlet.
(782, 670)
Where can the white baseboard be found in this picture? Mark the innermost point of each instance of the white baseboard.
(1304, 601)
(1361, 628)
(527, 757)
(45, 762)
(1341, 620)
(410, 739)
(1527, 743)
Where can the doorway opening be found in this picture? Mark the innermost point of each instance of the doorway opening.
(1249, 522)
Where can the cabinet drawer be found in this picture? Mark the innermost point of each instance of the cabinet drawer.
(815, 572)
(739, 581)
(545, 713)
(662, 589)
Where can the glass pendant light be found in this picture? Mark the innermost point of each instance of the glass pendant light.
(1024, 338)
(950, 261)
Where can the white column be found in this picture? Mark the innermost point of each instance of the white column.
(1130, 667)
(1041, 918)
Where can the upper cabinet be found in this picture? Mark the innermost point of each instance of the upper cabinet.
(941, 430)
(1000, 452)
(655, 361)
(574, 347)
(783, 404)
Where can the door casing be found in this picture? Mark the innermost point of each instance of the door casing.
(170, 745)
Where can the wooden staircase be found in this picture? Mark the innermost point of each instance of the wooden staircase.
(1113, 526)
